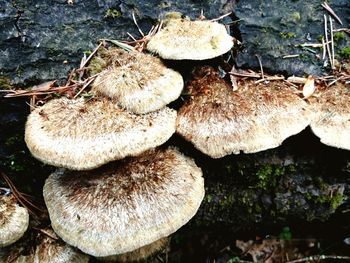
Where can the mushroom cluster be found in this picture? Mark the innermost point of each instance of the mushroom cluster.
(122, 196)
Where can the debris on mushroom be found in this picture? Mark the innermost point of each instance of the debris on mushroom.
(82, 135)
(126, 204)
(193, 40)
(139, 254)
(14, 220)
(332, 116)
(256, 117)
(139, 82)
(52, 250)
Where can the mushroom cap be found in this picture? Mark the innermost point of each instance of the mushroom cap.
(256, 117)
(124, 205)
(139, 254)
(82, 135)
(192, 40)
(55, 251)
(332, 116)
(14, 220)
(138, 82)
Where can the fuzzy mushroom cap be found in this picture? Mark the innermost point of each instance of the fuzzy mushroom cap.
(82, 135)
(219, 121)
(138, 82)
(332, 116)
(139, 254)
(192, 40)
(55, 251)
(14, 220)
(125, 205)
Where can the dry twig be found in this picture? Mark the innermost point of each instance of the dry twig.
(330, 10)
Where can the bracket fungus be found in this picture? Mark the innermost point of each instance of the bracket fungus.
(140, 254)
(56, 251)
(332, 116)
(14, 220)
(139, 82)
(124, 205)
(192, 40)
(82, 135)
(256, 117)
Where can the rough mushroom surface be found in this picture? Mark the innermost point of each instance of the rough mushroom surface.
(138, 82)
(140, 254)
(82, 135)
(332, 116)
(192, 40)
(14, 220)
(55, 251)
(256, 117)
(124, 205)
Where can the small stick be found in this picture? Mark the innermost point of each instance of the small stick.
(85, 85)
(245, 75)
(311, 45)
(138, 28)
(297, 80)
(261, 67)
(91, 55)
(327, 41)
(334, 81)
(269, 78)
(291, 56)
(323, 49)
(45, 232)
(332, 41)
(220, 17)
(131, 36)
(330, 10)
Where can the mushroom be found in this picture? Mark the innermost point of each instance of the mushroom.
(47, 248)
(82, 135)
(126, 204)
(139, 254)
(139, 82)
(53, 250)
(14, 220)
(256, 117)
(193, 40)
(332, 116)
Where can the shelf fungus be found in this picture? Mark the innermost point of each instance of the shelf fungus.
(256, 117)
(332, 116)
(126, 204)
(14, 220)
(140, 254)
(51, 250)
(83, 135)
(139, 82)
(182, 39)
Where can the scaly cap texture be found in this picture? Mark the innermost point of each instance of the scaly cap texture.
(256, 117)
(138, 82)
(56, 251)
(192, 40)
(14, 220)
(82, 135)
(332, 116)
(124, 205)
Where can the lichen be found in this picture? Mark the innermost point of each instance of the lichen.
(112, 13)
